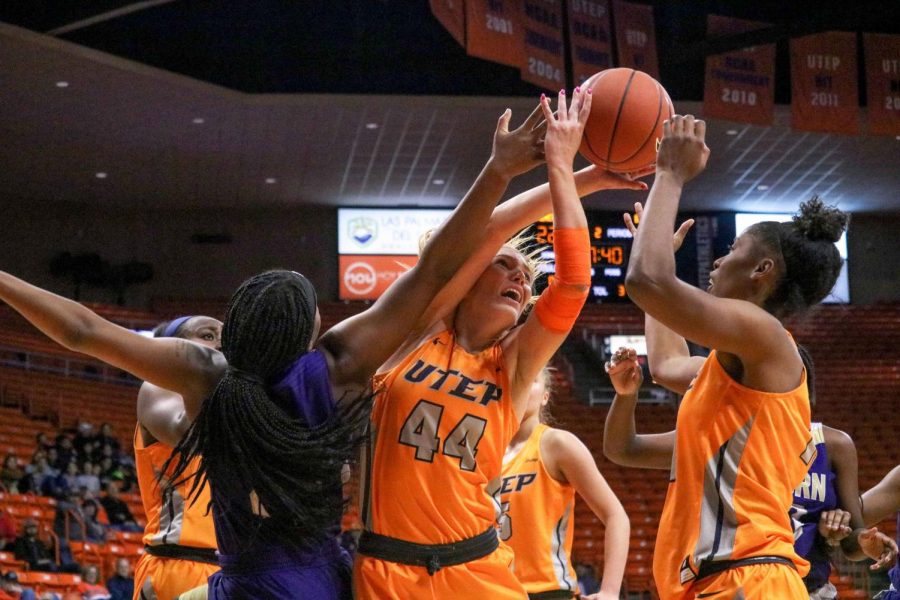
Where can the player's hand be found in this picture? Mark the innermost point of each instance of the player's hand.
(879, 547)
(682, 151)
(679, 234)
(601, 596)
(566, 127)
(593, 179)
(520, 150)
(834, 525)
(625, 372)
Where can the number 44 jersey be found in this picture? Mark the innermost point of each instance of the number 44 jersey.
(441, 422)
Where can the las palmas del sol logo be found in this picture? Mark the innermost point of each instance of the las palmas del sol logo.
(362, 230)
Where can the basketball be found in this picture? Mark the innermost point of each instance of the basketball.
(627, 114)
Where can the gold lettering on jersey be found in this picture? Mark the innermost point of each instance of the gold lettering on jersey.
(813, 487)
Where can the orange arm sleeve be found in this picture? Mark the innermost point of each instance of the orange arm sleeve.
(560, 304)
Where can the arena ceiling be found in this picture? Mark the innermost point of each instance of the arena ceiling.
(80, 124)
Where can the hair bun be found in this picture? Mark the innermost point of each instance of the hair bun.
(819, 222)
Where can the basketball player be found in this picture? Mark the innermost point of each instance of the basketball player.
(276, 413)
(825, 509)
(450, 401)
(179, 537)
(878, 504)
(743, 438)
(542, 470)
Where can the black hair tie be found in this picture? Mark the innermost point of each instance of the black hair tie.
(245, 375)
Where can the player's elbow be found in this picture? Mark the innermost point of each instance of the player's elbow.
(615, 450)
(643, 285)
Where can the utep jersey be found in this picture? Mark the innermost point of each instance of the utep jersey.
(739, 455)
(441, 422)
(171, 519)
(815, 495)
(537, 520)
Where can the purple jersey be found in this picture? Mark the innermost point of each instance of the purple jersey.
(894, 574)
(253, 566)
(815, 495)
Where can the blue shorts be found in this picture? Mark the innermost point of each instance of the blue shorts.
(284, 575)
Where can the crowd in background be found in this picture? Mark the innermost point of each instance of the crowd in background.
(86, 472)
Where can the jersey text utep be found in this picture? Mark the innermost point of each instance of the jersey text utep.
(454, 383)
(515, 483)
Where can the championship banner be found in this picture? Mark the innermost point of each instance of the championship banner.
(366, 277)
(883, 82)
(636, 37)
(544, 57)
(494, 31)
(824, 92)
(452, 15)
(590, 38)
(740, 85)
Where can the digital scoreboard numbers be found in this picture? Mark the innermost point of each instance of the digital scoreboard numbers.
(610, 249)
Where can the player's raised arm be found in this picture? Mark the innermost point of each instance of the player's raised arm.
(621, 443)
(187, 368)
(670, 361)
(363, 343)
(556, 310)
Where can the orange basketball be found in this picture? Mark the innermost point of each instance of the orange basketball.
(626, 120)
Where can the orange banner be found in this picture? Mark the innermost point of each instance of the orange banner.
(366, 277)
(883, 82)
(590, 38)
(740, 85)
(494, 31)
(452, 15)
(824, 88)
(544, 57)
(636, 37)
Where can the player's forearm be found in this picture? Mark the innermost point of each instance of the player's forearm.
(461, 233)
(615, 546)
(567, 210)
(62, 320)
(619, 434)
(652, 260)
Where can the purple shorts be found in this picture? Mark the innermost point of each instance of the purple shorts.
(284, 575)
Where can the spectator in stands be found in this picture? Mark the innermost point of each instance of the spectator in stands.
(36, 473)
(121, 585)
(63, 484)
(94, 529)
(53, 457)
(32, 550)
(84, 437)
(65, 451)
(67, 523)
(117, 510)
(90, 587)
(11, 589)
(87, 479)
(106, 438)
(11, 474)
(7, 530)
(42, 442)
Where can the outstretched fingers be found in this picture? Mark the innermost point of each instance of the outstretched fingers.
(545, 109)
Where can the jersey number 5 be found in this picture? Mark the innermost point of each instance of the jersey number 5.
(420, 430)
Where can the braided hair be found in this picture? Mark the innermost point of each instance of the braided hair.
(247, 444)
(810, 262)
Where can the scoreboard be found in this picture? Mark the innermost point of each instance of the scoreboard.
(377, 245)
(610, 249)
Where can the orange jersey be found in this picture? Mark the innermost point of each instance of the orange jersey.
(175, 520)
(537, 521)
(441, 422)
(739, 454)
